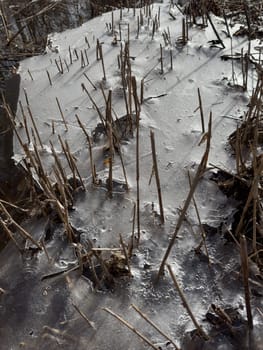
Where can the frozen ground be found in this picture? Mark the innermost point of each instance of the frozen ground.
(38, 314)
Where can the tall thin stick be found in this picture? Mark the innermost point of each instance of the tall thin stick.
(62, 114)
(157, 178)
(154, 325)
(201, 111)
(132, 328)
(35, 127)
(186, 305)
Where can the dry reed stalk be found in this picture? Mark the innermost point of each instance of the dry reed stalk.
(49, 78)
(65, 184)
(66, 64)
(61, 65)
(90, 149)
(10, 235)
(25, 122)
(138, 27)
(74, 165)
(62, 114)
(86, 55)
(58, 67)
(157, 177)
(137, 109)
(29, 73)
(245, 271)
(183, 31)
(146, 318)
(110, 139)
(35, 127)
(82, 61)
(203, 235)
(76, 54)
(102, 62)
(70, 55)
(23, 232)
(131, 244)
(132, 328)
(200, 330)
(214, 29)
(69, 230)
(90, 323)
(161, 58)
(200, 171)
(58, 163)
(95, 106)
(71, 166)
(142, 91)
(201, 111)
(171, 59)
(26, 96)
(91, 83)
(124, 249)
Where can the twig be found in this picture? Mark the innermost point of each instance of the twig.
(132, 328)
(157, 178)
(90, 323)
(185, 304)
(154, 325)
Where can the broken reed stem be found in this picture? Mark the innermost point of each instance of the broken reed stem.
(62, 115)
(29, 73)
(26, 97)
(91, 83)
(203, 235)
(245, 271)
(20, 228)
(137, 109)
(25, 122)
(157, 178)
(70, 55)
(200, 171)
(125, 254)
(10, 235)
(161, 58)
(214, 29)
(154, 325)
(201, 111)
(90, 149)
(95, 106)
(200, 330)
(132, 328)
(49, 78)
(58, 163)
(74, 165)
(102, 62)
(131, 244)
(35, 127)
(90, 323)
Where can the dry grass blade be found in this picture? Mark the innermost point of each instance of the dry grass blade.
(132, 328)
